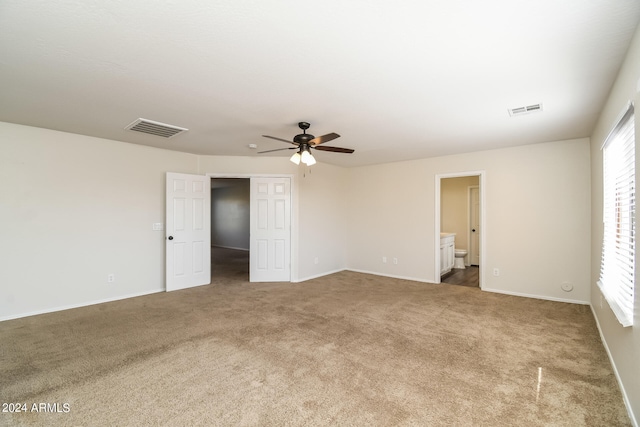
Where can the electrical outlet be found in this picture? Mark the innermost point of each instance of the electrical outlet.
(111, 278)
(384, 259)
(316, 260)
(496, 271)
(395, 261)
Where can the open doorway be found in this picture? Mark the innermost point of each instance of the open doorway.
(192, 230)
(459, 228)
(269, 233)
(230, 225)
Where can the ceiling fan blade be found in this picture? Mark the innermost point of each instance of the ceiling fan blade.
(334, 149)
(278, 149)
(324, 138)
(279, 139)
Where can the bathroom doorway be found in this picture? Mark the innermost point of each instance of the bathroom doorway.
(459, 212)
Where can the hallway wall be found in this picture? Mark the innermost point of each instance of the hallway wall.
(230, 209)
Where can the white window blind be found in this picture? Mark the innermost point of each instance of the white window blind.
(617, 269)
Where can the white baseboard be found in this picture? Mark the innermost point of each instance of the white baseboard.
(304, 279)
(520, 294)
(84, 304)
(625, 398)
(413, 279)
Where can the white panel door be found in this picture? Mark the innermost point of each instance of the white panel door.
(474, 205)
(270, 243)
(188, 240)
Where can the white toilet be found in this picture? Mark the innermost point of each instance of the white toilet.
(458, 261)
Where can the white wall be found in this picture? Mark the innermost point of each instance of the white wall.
(74, 209)
(537, 217)
(391, 214)
(246, 166)
(623, 344)
(322, 221)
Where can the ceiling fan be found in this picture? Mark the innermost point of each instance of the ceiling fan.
(304, 142)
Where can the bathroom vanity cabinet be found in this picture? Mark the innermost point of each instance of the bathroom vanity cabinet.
(447, 252)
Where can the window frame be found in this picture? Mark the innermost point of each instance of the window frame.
(617, 268)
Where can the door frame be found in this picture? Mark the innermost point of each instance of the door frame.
(293, 264)
(470, 217)
(481, 174)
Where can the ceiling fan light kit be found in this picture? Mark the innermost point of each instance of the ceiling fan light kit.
(307, 158)
(296, 158)
(304, 142)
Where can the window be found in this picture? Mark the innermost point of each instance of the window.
(617, 270)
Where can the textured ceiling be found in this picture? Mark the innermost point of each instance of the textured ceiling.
(397, 80)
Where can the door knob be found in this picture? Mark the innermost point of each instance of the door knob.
(473, 229)
(170, 237)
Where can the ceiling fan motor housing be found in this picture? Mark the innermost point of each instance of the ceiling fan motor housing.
(303, 138)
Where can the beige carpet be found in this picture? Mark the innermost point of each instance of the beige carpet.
(346, 349)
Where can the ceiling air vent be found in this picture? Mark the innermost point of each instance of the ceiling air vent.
(155, 128)
(525, 110)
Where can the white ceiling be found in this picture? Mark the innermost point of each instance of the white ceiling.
(397, 80)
